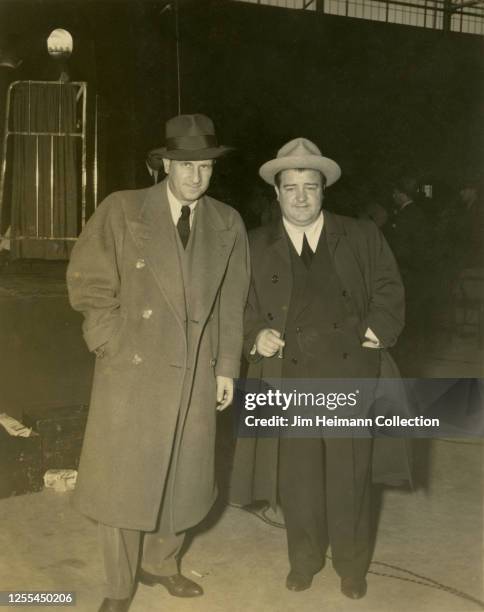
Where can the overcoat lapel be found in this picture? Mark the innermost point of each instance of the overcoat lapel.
(278, 241)
(211, 246)
(154, 234)
(347, 264)
(333, 232)
(280, 274)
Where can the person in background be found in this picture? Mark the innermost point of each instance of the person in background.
(151, 171)
(408, 234)
(376, 212)
(465, 226)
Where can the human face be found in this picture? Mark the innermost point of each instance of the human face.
(188, 180)
(300, 195)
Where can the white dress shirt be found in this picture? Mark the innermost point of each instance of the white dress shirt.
(313, 233)
(176, 206)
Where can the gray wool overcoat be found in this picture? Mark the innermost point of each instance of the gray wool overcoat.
(149, 442)
(373, 293)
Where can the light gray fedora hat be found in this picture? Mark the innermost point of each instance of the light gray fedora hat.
(304, 154)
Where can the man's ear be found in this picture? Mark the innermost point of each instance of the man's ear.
(166, 165)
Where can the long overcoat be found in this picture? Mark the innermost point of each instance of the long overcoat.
(149, 442)
(372, 292)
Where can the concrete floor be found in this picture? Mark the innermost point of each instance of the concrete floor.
(428, 546)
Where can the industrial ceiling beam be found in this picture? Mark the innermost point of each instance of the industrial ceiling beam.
(456, 6)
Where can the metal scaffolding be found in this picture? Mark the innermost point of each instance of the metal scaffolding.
(33, 134)
(464, 16)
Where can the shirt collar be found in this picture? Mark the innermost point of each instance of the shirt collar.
(176, 205)
(313, 233)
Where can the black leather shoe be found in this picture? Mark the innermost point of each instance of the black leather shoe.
(114, 605)
(354, 588)
(177, 585)
(298, 582)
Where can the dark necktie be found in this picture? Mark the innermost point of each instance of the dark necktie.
(183, 225)
(306, 253)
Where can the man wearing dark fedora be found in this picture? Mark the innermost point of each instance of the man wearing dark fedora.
(325, 302)
(161, 276)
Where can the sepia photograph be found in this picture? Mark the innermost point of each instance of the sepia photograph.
(242, 305)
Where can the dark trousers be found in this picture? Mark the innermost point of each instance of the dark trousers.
(324, 489)
(121, 551)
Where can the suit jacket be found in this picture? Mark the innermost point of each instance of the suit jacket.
(373, 293)
(363, 262)
(151, 427)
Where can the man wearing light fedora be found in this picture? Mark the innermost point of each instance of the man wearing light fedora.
(325, 302)
(161, 276)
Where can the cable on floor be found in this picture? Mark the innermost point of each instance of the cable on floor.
(261, 513)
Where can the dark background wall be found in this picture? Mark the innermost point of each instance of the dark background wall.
(377, 97)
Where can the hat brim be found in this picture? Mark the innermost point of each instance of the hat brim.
(195, 155)
(326, 166)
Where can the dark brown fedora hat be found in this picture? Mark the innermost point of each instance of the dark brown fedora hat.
(191, 138)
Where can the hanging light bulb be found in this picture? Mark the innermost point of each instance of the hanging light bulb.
(60, 43)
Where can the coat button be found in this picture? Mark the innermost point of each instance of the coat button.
(298, 330)
(344, 293)
(345, 355)
(213, 362)
(270, 316)
(294, 360)
(140, 264)
(147, 313)
(275, 278)
(136, 359)
(99, 352)
(336, 326)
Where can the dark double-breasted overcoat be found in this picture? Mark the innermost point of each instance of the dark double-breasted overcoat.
(373, 296)
(149, 442)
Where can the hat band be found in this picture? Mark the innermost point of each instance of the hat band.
(191, 143)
